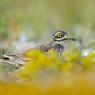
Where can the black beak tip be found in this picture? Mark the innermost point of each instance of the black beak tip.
(74, 39)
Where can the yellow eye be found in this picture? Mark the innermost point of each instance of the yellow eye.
(59, 35)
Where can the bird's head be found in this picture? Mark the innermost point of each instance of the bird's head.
(60, 36)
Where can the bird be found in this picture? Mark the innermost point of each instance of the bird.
(57, 38)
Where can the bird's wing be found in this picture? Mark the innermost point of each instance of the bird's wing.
(15, 60)
(42, 48)
(20, 59)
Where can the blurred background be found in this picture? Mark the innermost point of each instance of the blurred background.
(27, 23)
(31, 21)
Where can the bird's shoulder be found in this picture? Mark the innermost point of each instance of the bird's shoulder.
(42, 48)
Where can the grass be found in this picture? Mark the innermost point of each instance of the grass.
(46, 74)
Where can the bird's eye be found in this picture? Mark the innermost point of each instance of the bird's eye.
(59, 35)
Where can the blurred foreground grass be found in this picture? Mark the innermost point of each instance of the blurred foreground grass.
(79, 84)
(45, 74)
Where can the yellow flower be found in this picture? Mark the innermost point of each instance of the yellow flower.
(39, 61)
(72, 55)
(89, 60)
(67, 67)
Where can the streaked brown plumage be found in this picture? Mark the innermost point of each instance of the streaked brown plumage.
(57, 38)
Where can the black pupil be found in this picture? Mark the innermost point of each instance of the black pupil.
(59, 35)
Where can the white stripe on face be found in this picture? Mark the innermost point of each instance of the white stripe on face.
(60, 39)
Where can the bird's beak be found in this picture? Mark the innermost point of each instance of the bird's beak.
(69, 38)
